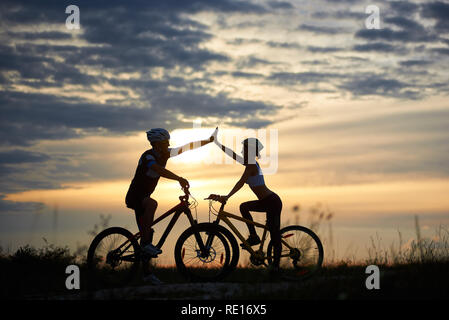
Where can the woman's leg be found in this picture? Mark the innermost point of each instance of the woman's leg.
(245, 208)
(274, 208)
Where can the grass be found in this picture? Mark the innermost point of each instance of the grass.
(417, 269)
(416, 273)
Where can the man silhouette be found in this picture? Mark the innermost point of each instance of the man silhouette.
(150, 168)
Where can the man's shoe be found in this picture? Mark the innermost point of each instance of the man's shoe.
(152, 279)
(151, 251)
(252, 240)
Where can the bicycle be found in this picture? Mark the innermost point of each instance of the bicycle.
(114, 255)
(302, 251)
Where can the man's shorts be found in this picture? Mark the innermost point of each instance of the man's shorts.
(135, 203)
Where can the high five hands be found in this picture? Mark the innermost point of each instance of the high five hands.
(213, 137)
(216, 197)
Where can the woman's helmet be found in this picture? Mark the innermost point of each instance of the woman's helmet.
(253, 145)
(158, 134)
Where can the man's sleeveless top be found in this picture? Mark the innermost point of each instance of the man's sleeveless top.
(145, 179)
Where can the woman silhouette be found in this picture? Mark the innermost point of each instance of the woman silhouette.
(268, 201)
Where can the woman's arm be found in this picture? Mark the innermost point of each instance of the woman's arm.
(236, 188)
(230, 152)
(239, 183)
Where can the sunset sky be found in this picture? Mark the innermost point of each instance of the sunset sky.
(361, 115)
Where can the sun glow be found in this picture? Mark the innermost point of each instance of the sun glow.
(184, 136)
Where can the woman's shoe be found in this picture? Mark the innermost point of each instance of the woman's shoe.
(252, 240)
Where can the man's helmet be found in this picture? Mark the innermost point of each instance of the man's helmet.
(158, 134)
(253, 144)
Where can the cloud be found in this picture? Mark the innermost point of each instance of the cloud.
(412, 63)
(439, 11)
(378, 47)
(321, 29)
(280, 5)
(134, 39)
(13, 207)
(18, 156)
(388, 34)
(32, 116)
(142, 64)
(291, 78)
(340, 15)
(378, 85)
(327, 49)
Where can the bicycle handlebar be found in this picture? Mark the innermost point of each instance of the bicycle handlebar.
(208, 198)
(185, 197)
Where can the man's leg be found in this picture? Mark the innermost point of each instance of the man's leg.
(149, 208)
(145, 220)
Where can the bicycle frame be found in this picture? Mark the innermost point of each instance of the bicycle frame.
(182, 207)
(226, 216)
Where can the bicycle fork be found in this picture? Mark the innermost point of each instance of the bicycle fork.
(204, 248)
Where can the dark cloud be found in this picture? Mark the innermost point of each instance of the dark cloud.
(412, 63)
(328, 49)
(240, 74)
(378, 85)
(132, 38)
(292, 78)
(387, 34)
(251, 62)
(284, 45)
(442, 51)
(31, 117)
(402, 7)
(439, 11)
(280, 5)
(13, 207)
(403, 26)
(340, 15)
(46, 35)
(379, 47)
(18, 156)
(321, 29)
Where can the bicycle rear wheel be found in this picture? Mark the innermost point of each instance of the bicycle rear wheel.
(302, 253)
(113, 257)
(211, 265)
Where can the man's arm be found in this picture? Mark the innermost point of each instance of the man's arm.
(192, 145)
(169, 175)
(189, 146)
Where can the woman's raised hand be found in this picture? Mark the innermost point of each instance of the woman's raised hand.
(213, 137)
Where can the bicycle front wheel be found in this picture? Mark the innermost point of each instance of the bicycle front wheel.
(210, 264)
(113, 257)
(301, 255)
